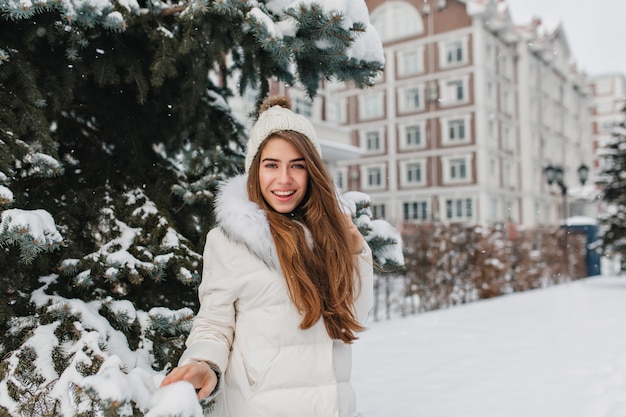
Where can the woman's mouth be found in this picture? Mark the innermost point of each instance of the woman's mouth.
(283, 195)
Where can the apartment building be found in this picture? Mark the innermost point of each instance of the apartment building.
(469, 112)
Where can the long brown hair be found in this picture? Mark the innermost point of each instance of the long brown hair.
(320, 279)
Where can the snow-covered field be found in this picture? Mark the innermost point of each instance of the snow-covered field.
(555, 352)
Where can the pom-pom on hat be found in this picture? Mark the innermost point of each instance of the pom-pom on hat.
(276, 115)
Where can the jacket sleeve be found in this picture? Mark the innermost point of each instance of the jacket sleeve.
(213, 328)
(365, 297)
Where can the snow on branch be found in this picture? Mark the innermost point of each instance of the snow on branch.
(84, 364)
(6, 196)
(34, 231)
(382, 237)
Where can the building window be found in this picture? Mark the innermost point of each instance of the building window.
(455, 91)
(493, 208)
(453, 53)
(459, 209)
(537, 211)
(493, 169)
(505, 65)
(341, 176)
(338, 112)
(455, 130)
(414, 173)
(506, 139)
(411, 99)
(413, 136)
(411, 62)
(414, 99)
(508, 176)
(378, 211)
(372, 141)
(374, 177)
(371, 106)
(303, 107)
(505, 101)
(415, 210)
(457, 170)
(395, 20)
(606, 127)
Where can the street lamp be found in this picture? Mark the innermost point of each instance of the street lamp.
(555, 175)
(583, 173)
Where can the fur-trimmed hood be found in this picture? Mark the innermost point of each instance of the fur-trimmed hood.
(245, 222)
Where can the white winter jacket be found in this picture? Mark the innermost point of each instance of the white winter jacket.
(248, 326)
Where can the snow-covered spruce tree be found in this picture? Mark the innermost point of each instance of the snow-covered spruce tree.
(384, 240)
(612, 220)
(114, 133)
(386, 244)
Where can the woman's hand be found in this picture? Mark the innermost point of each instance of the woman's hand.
(198, 373)
(355, 238)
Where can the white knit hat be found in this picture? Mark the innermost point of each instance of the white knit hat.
(276, 118)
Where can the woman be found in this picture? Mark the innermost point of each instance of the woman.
(287, 284)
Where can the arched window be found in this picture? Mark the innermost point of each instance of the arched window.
(395, 20)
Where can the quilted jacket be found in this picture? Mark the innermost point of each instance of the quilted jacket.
(248, 326)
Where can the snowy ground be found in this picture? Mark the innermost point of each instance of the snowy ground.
(556, 352)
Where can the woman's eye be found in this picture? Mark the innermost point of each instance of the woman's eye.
(299, 166)
(270, 165)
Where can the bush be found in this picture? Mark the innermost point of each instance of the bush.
(448, 265)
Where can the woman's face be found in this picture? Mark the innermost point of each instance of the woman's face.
(283, 175)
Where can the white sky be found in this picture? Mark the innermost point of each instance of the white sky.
(555, 352)
(595, 29)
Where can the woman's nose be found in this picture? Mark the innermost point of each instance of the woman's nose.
(284, 176)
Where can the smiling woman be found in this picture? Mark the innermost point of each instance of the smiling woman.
(283, 177)
(287, 283)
